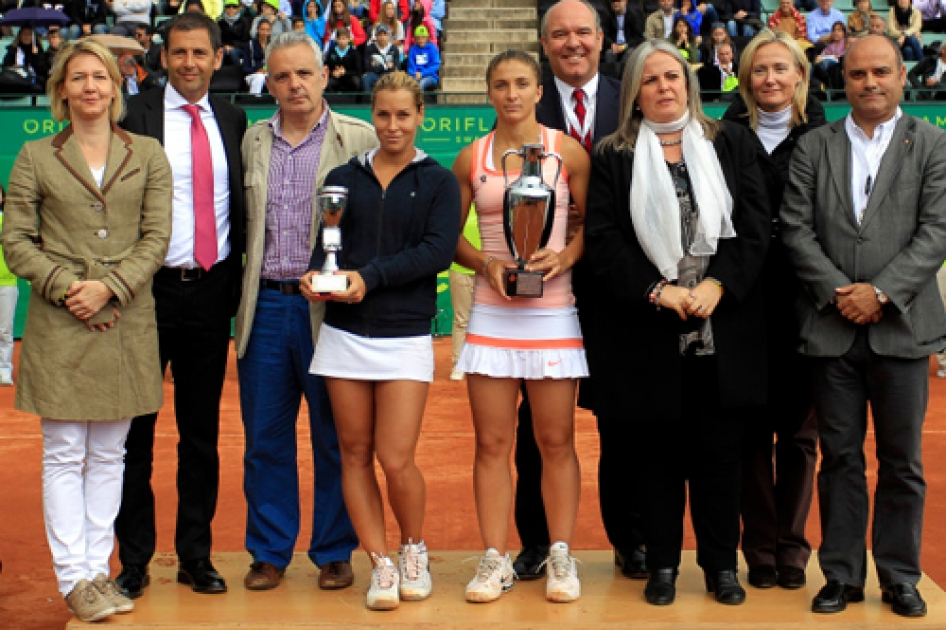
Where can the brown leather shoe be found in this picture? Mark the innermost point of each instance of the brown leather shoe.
(263, 576)
(336, 575)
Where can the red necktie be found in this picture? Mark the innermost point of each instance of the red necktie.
(580, 114)
(202, 173)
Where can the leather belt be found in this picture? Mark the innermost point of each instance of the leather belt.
(184, 274)
(286, 287)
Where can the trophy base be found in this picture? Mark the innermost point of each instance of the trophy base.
(326, 283)
(522, 283)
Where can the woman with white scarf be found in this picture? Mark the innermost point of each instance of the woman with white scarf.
(677, 230)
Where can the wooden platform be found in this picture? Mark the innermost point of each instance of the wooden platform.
(608, 601)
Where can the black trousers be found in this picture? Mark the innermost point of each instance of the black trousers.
(898, 392)
(778, 480)
(619, 507)
(194, 335)
(700, 451)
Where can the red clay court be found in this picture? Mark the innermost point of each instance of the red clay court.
(28, 595)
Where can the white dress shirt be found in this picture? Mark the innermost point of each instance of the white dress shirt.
(866, 155)
(566, 95)
(177, 146)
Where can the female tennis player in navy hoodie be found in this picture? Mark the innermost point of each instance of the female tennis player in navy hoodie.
(399, 230)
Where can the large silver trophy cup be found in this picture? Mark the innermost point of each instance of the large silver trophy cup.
(528, 214)
(331, 202)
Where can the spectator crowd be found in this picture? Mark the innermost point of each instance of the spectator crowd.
(362, 40)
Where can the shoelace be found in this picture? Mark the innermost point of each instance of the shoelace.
(411, 557)
(90, 594)
(383, 572)
(488, 566)
(559, 564)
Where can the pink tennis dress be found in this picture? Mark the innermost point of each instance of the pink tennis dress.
(530, 338)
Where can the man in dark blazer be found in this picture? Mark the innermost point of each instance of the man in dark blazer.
(574, 61)
(196, 295)
(623, 26)
(864, 222)
(713, 77)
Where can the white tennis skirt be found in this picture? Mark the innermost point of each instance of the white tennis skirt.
(341, 354)
(529, 343)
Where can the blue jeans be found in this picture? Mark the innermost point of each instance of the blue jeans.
(912, 49)
(428, 83)
(274, 376)
(737, 28)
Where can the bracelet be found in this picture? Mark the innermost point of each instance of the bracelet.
(654, 297)
(486, 265)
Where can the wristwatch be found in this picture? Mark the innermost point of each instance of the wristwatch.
(881, 296)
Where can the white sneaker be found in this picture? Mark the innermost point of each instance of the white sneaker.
(562, 585)
(413, 563)
(382, 594)
(7, 379)
(494, 576)
(939, 374)
(456, 375)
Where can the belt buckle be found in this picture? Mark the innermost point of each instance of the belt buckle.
(191, 274)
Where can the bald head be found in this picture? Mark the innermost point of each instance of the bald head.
(874, 79)
(569, 7)
(877, 39)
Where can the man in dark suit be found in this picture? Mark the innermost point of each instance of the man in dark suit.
(196, 294)
(572, 40)
(930, 73)
(623, 26)
(720, 81)
(864, 222)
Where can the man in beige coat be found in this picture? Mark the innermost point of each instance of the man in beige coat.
(286, 159)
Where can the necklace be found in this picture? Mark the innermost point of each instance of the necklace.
(670, 143)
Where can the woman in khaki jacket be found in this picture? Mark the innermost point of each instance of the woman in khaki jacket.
(87, 222)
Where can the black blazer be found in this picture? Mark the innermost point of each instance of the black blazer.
(710, 77)
(549, 113)
(549, 110)
(633, 27)
(638, 365)
(145, 116)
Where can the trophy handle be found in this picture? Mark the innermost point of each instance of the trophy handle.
(547, 232)
(558, 170)
(502, 162)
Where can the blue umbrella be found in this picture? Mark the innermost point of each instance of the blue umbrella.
(35, 16)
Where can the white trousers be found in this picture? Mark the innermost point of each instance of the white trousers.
(7, 312)
(256, 82)
(83, 464)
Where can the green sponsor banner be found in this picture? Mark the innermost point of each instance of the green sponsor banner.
(445, 131)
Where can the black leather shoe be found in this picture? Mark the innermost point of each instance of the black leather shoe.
(725, 585)
(791, 578)
(201, 576)
(132, 580)
(661, 587)
(905, 600)
(835, 596)
(632, 562)
(763, 576)
(530, 563)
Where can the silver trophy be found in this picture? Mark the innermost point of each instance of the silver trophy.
(331, 203)
(528, 214)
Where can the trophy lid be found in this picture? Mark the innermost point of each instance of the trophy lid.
(334, 191)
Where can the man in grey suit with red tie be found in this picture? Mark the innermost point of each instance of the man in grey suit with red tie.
(582, 102)
(196, 294)
(864, 222)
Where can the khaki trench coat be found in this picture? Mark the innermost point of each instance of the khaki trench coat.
(60, 227)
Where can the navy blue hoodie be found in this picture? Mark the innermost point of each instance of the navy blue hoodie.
(398, 239)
